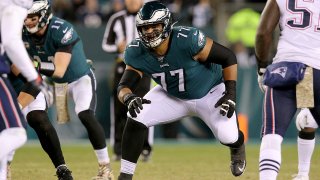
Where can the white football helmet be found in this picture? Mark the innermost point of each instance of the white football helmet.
(43, 9)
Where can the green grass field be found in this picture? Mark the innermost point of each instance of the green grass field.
(170, 161)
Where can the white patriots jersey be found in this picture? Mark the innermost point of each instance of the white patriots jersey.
(299, 39)
(27, 4)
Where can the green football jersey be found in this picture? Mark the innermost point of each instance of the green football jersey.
(59, 34)
(177, 72)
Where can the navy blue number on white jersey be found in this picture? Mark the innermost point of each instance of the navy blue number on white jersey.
(306, 15)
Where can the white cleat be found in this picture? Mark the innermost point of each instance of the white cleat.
(300, 177)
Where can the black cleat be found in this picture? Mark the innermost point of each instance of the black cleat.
(124, 176)
(238, 160)
(64, 173)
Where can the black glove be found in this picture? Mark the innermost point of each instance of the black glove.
(228, 100)
(134, 103)
(44, 88)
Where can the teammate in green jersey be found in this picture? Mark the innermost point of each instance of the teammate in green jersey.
(58, 50)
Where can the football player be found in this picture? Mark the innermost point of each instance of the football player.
(12, 124)
(59, 55)
(298, 43)
(195, 76)
(121, 30)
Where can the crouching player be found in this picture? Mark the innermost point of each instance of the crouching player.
(56, 46)
(186, 66)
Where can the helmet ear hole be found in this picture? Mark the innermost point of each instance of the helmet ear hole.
(153, 13)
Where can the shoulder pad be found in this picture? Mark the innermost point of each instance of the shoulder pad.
(62, 31)
(134, 50)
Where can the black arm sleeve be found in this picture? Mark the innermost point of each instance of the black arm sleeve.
(221, 55)
(30, 89)
(129, 79)
(20, 76)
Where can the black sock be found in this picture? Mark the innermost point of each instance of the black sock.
(124, 176)
(307, 135)
(47, 135)
(132, 140)
(95, 131)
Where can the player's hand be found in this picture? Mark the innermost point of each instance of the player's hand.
(228, 100)
(305, 119)
(44, 88)
(134, 103)
(261, 72)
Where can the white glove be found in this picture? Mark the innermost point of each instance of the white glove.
(305, 119)
(261, 72)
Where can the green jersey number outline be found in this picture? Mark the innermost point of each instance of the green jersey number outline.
(181, 34)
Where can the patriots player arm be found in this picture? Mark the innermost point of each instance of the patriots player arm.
(11, 26)
(268, 22)
(17, 73)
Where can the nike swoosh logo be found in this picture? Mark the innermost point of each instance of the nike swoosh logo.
(242, 169)
(212, 91)
(64, 31)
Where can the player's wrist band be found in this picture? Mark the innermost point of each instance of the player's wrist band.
(47, 68)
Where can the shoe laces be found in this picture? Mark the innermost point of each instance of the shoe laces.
(104, 170)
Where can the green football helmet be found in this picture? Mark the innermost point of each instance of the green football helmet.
(41, 8)
(152, 13)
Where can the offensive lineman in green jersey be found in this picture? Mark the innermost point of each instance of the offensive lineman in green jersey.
(187, 67)
(58, 50)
